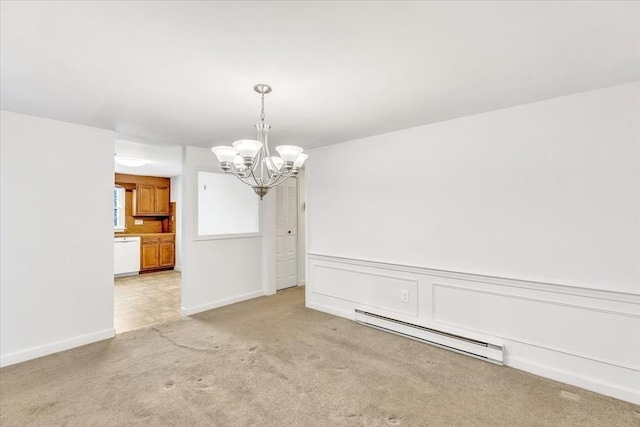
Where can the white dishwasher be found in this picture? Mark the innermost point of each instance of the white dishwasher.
(126, 260)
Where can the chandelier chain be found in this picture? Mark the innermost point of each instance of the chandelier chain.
(262, 111)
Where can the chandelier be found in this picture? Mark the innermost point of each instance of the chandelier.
(251, 162)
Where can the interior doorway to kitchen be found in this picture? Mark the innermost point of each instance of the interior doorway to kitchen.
(147, 234)
(146, 299)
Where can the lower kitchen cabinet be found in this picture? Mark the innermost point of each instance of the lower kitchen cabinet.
(167, 254)
(157, 252)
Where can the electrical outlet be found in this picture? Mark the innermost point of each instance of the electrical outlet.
(138, 222)
(404, 295)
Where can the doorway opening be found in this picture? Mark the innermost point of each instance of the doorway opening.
(146, 299)
(147, 235)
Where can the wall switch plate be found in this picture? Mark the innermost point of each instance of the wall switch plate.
(139, 222)
(404, 295)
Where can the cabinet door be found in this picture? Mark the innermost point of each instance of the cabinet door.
(167, 254)
(144, 201)
(149, 256)
(162, 200)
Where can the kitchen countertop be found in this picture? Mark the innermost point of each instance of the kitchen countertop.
(143, 234)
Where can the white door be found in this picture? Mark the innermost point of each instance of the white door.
(287, 234)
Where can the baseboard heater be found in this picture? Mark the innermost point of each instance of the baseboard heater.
(471, 347)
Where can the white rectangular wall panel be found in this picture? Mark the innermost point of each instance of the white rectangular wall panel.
(583, 330)
(373, 289)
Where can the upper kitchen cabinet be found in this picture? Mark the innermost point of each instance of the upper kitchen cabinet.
(151, 200)
(144, 199)
(151, 195)
(162, 200)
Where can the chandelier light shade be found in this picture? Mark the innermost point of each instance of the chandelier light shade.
(225, 154)
(251, 162)
(300, 160)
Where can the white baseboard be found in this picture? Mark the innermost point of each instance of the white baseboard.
(55, 347)
(188, 311)
(583, 381)
(178, 268)
(117, 276)
(331, 310)
(587, 338)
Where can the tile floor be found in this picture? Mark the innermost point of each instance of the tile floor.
(146, 299)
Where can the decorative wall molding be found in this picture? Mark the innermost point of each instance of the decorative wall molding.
(538, 322)
(473, 277)
(55, 347)
(533, 343)
(383, 294)
(539, 300)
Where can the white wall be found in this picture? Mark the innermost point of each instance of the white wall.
(223, 271)
(522, 224)
(176, 196)
(547, 191)
(56, 289)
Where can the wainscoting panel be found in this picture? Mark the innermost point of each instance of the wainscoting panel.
(584, 337)
(584, 330)
(366, 286)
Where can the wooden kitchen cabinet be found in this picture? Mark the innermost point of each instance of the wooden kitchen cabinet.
(151, 200)
(157, 252)
(166, 254)
(144, 200)
(162, 199)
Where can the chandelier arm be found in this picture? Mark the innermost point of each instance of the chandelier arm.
(240, 175)
(273, 165)
(279, 179)
(235, 172)
(266, 148)
(258, 158)
(243, 180)
(258, 181)
(274, 168)
(263, 137)
(260, 163)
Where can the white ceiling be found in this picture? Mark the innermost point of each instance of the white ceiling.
(162, 160)
(183, 72)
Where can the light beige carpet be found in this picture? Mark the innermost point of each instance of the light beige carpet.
(272, 362)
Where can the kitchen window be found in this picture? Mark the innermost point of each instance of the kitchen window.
(118, 208)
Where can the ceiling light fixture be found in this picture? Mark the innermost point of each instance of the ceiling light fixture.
(130, 162)
(251, 162)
